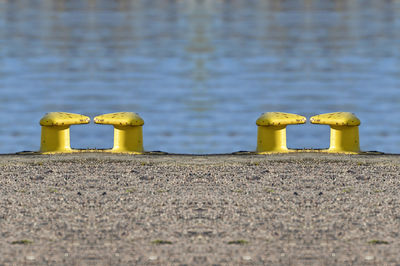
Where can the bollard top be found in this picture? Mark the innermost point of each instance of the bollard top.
(120, 119)
(336, 119)
(280, 119)
(63, 119)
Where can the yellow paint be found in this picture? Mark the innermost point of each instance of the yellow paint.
(344, 131)
(338, 119)
(55, 136)
(271, 137)
(278, 118)
(128, 135)
(121, 118)
(63, 119)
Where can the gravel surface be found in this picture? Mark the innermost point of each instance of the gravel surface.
(298, 209)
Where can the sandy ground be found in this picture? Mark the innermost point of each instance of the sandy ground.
(296, 209)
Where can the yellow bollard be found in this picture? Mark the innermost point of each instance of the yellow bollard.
(128, 136)
(344, 131)
(271, 136)
(55, 131)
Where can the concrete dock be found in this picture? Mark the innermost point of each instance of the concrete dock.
(289, 209)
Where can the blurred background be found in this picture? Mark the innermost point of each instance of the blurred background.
(199, 72)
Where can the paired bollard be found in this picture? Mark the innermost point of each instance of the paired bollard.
(272, 131)
(271, 136)
(128, 136)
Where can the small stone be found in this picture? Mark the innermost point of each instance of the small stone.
(246, 258)
(362, 178)
(30, 257)
(253, 178)
(153, 257)
(369, 257)
(146, 178)
(37, 178)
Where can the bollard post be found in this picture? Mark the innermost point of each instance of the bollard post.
(55, 136)
(344, 131)
(271, 137)
(128, 136)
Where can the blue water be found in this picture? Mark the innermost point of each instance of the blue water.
(199, 72)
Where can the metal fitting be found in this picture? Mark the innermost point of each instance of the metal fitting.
(55, 131)
(344, 131)
(128, 135)
(271, 137)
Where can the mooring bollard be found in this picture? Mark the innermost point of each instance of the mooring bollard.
(271, 136)
(128, 136)
(55, 136)
(344, 131)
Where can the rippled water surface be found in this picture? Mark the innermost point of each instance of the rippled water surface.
(199, 72)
